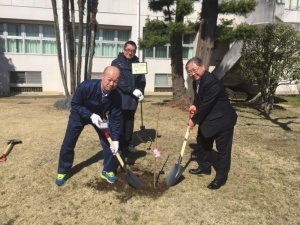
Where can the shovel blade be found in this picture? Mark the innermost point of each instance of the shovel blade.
(132, 179)
(174, 174)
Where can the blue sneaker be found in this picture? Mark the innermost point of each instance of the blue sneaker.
(61, 179)
(109, 176)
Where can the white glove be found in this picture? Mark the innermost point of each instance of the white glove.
(137, 93)
(115, 149)
(141, 98)
(96, 119)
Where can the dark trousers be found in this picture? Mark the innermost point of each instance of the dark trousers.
(127, 127)
(223, 145)
(74, 129)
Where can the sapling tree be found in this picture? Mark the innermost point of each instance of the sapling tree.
(271, 57)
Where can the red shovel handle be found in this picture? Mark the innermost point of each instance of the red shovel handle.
(107, 135)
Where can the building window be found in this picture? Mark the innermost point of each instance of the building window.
(32, 41)
(292, 4)
(15, 43)
(111, 42)
(187, 46)
(165, 53)
(108, 42)
(163, 83)
(29, 81)
(96, 76)
(162, 52)
(49, 40)
(27, 38)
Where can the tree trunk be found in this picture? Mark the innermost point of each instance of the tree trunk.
(73, 42)
(271, 97)
(180, 97)
(58, 45)
(69, 38)
(176, 66)
(209, 17)
(93, 29)
(81, 4)
(92, 52)
(206, 34)
(87, 40)
(256, 99)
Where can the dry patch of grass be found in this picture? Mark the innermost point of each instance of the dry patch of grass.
(263, 184)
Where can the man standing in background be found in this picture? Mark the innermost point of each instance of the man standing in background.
(131, 88)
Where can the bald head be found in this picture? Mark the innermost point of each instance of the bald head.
(110, 78)
(111, 70)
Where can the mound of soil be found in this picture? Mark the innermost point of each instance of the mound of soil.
(124, 191)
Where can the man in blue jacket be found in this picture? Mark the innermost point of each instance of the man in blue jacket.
(131, 87)
(216, 118)
(92, 101)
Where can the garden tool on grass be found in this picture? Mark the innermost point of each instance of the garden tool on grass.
(10, 145)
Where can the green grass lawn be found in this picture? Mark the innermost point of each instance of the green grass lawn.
(289, 100)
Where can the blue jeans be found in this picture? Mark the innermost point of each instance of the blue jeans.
(75, 126)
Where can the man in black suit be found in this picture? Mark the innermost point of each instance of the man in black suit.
(216, 118)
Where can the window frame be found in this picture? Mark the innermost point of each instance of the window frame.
(100, 42)
(152, 53)
(23, 38)
(164, 87)
(288, 3)
(169, 79)
(26, 78)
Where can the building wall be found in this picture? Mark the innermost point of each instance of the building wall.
(47, 65)
(111, 14)
(129, 14)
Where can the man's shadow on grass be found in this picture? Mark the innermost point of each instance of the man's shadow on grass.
(146, 136)
(94, 159)
(127, 157)
(142, 136)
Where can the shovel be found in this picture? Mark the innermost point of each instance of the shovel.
(131, 178)
(142, 127)
(177, 169)
(10, 145)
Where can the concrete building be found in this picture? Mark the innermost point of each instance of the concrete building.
(267, 11)
(28, 58)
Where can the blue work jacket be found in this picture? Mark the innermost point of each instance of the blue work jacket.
(88, 99)
(128, 82)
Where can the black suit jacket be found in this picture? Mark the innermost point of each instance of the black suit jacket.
(214, 111)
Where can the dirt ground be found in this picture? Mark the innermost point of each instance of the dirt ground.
(263, 184)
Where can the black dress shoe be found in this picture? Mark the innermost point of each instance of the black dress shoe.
(217, 183)
(199, 170)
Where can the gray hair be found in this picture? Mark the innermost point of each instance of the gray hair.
(195, 60)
